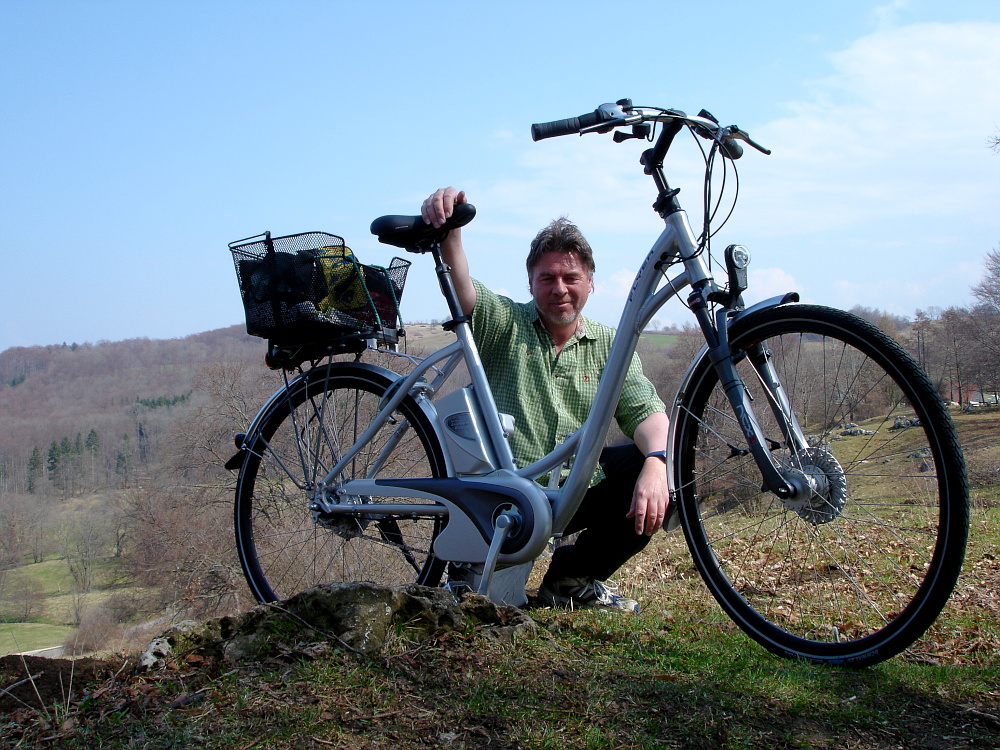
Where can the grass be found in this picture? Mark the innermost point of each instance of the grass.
(679, 675)
(662, 679)
(657, 341)
(52, 575)
(16, 637)
(50, 625)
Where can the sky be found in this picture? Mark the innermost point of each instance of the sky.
(138, 139)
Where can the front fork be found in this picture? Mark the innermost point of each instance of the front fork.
(776, 479)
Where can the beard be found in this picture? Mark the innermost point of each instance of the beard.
(563, 318)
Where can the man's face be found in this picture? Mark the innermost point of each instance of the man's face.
(560, 285)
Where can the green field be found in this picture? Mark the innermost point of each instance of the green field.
(51, 618)
(19, 637)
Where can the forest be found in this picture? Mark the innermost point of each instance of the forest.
(115, 507)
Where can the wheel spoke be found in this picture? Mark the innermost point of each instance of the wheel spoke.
(852, 568)
(285, 539)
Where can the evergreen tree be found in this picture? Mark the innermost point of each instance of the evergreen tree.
(123, 461)
(34, 470)
(92, 445)
(52, 462)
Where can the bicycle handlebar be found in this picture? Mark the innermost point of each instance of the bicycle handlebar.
(572, 125)
(607, 117)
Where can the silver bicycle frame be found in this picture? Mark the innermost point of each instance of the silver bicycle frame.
(552, 508)
(676, 241)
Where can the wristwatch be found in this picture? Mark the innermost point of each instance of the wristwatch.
(658, 454)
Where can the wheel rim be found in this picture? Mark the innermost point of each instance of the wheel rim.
(286, 542)
(849, 568)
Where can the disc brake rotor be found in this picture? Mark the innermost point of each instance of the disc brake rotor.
(827, 484)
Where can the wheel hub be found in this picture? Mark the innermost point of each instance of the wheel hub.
(821, 482)
(344, 526)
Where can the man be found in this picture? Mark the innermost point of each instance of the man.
(543, 360)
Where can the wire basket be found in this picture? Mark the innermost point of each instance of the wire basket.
(310, 288)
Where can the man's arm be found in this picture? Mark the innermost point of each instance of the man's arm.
(651, 497)
(435, 210)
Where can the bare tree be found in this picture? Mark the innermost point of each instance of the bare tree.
(180, 524)
(955, 334)
(21, 597)
(894, 325)
(86, 545)
(987, 291)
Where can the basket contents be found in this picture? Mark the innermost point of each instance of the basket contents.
(311, 288)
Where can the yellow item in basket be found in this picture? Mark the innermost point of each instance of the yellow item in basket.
(345, 287)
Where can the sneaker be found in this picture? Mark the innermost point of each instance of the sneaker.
(584, 593)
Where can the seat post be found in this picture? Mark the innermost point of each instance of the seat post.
(443, 271)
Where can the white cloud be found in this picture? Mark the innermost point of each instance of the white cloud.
(899, 129)
(886, 15)
(771, 282)
(882, 174)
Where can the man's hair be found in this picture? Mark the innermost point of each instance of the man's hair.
(561, 236)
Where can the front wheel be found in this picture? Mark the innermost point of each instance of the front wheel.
(858, 570)
(284, 541)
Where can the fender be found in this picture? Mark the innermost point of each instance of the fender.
(672, 521)
(318, 374)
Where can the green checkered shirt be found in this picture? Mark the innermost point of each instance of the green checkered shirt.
(549, 394)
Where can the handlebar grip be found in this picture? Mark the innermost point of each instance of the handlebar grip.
(731, 149)
(570, 125)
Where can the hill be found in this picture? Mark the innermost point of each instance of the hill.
(52, 393)
(678, 675)
(113, 501)
(136, 387)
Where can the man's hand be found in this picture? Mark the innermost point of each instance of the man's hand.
(440, 204)
(435, 210)
(651, 497)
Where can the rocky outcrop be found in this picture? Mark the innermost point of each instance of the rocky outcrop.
(356, 616)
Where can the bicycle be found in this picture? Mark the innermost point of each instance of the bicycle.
(813, 468)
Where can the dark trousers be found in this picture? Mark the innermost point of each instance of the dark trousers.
(608, 538)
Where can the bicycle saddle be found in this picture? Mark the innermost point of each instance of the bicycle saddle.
(411, 233)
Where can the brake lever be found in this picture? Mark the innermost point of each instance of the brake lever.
(744, 136)
(615, 117)
(757, 146)
(604, 127)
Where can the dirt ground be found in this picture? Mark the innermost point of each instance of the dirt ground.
(37, 682)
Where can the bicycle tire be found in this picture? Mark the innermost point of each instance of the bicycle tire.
(859, 571)
(284, 546)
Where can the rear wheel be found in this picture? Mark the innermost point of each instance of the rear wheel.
(857, 571)
(284, 540)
